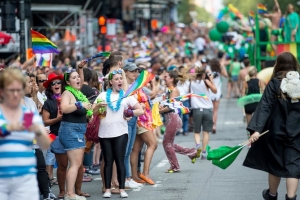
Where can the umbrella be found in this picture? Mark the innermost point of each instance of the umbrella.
(4, 38)
(251, 98)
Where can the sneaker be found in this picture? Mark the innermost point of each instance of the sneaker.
(94, 171)
(204, 156)
(199, 150)
(135, 183)
(74, 198)
(131, 185)
(266, 195)
(123, 195)
(107, 195)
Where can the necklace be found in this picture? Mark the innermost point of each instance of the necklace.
(81, 97)
(118, 104)
(56, 96)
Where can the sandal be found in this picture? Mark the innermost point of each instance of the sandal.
(53, 182)
(83, 194)
(147, 180)
(61, 196)
(172, 171)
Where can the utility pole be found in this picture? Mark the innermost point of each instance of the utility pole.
(22, 32)
(150, 19)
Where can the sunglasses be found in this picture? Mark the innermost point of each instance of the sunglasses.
(67, 73)
(118, 71)
(55, 83)
(42, 81)
(135, 71)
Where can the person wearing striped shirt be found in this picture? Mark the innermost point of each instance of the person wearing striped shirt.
(17, 160)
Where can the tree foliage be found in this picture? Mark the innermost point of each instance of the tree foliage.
(184, 8)
(245, 6)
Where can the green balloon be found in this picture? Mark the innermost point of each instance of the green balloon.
(222, 26)
(214, 35)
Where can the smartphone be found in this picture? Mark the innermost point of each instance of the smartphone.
(28, 119)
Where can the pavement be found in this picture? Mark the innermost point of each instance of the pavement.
(202, 180)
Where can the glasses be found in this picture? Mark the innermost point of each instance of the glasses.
(118, 71)
(42, 81)
(67, 73)
(135, 71)
(13, 91)
(55, 83)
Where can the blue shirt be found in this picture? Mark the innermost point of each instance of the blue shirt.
(16, 155)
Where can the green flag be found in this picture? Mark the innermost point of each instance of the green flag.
(217, 154)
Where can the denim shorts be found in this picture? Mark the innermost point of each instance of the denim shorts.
(57, 147)
(71, 135)
(50, 157)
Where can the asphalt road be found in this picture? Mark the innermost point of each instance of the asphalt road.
(202, 180)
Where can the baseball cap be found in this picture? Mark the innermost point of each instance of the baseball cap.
(130, 67)
(203, 60)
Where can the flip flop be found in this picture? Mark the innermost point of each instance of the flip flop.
(83, 194)
(172, 171)
(61, 196)
(147, 180)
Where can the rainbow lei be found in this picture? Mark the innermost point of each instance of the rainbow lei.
(118, 104)
(81, 97)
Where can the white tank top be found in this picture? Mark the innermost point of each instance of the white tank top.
(199, 87)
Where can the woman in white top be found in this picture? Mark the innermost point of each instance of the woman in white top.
(219, 70)
(183, 86)
(113, 130)
(202, 108)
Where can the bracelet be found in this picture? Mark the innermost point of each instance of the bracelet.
(79, 67)
(78, 105)
(3, 131)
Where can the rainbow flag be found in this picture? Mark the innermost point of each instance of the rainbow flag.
(44, 63)
(251, 15)
(144, 78)
(294, 48)
(262, 9)
(41, 44)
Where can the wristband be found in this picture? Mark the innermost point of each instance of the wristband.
(79, 67)
(128, 113)
(78, 105)
(3, 131)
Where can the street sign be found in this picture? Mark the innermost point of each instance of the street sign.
(111, 28)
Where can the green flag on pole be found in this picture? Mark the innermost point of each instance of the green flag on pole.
(224, 156)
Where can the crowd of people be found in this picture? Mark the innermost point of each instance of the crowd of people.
(62, 101)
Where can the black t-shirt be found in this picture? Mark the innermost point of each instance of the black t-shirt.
(90, 93)
(51, 106)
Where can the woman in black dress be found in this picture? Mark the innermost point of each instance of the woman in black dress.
(277, 152)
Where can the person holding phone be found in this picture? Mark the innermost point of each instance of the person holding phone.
(19, 181)
(202, 108)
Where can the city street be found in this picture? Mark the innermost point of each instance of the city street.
(201, 180)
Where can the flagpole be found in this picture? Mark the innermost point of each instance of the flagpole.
(241, 147)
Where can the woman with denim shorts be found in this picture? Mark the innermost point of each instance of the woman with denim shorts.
(74, 106)
(52, 117)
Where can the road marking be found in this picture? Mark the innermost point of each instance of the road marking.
(162, 163)
(233, 122)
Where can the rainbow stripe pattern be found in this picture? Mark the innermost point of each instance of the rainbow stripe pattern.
(44, 63)
(177, 107)
(261, 9)
(41, 44)
(185, 97)
(291, 47)
(141, 54)
(144, 78)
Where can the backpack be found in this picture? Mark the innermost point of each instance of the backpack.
(93, 129)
